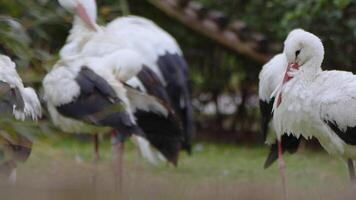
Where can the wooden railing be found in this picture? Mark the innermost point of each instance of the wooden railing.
(234, 35)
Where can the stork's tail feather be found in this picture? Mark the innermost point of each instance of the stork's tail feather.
(289, 143)
(33, 109)
(7, 167)
(163, 133)
(272, 156)
(159, 123)
(146, 150)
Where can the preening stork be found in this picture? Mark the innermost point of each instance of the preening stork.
(166, 60)
(270, 78)
(160, 51)
(313, 102)
(92, 90)
(22, 103)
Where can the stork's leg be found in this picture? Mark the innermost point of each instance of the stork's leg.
(118, 150)
(96, 157)
(96, 148)
(13, 177)
(8, 169)
(350, 165)
(282, 165)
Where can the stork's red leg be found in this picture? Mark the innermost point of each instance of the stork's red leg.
(96, 148)
(118, 150)
(282, 169)
(350, 165)
(96, 158)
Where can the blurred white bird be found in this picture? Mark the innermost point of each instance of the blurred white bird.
(22, 103)
(159, 50)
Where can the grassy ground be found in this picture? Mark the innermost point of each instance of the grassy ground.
(62, 169)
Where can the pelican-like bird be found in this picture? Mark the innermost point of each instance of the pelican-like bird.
(160, 51)
(21, 103)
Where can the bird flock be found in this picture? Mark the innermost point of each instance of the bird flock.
(129, 79)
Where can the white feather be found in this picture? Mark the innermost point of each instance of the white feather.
(9, 75)
(145, 149)
(313, 95)
(33, 107)
(271, 76)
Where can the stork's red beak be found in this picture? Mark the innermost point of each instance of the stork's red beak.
(290, 67)
(82, 13)
(287, 78)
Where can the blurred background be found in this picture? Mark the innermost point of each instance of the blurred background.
(223, 78)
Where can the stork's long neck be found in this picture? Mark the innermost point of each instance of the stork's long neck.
(311, 68)
(80, 29)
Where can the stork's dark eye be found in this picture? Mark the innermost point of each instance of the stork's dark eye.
(297, 53)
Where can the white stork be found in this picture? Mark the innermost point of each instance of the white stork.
(160, 51)
(87, 90)
(22, 103)
(270, 77)
(313, 102)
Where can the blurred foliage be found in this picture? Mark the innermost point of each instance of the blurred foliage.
(332, 20)
(32, 32)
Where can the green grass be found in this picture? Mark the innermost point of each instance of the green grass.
(212, 172)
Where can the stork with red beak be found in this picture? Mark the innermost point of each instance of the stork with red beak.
(316, 103)
(87, 94)
(163, 58)
(84, 24)
(270, 77)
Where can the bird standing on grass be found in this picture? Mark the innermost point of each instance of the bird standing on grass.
(92, 91)
(270, 77)
(19, 102)
(160, 51)
(316, 103)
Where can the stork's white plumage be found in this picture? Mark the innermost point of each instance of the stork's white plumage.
(313, 102)
(61, 86)
(84, 24)
(164, 57)
(22, 103)
(159, 50)
(111, 71)
(270, 78)
(32, 107)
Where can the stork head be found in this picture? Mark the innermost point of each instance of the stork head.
(304, 52)
(86, 10)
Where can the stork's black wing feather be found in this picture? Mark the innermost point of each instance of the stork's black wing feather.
(162, 132)
(175, 72)
(152, 84)
(266, 116)
(348, 135)
(289, 144)
(10, 97)
(158, 121)
(98, 104)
